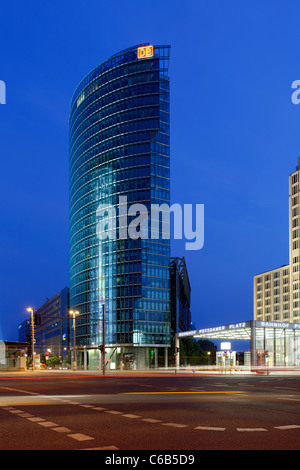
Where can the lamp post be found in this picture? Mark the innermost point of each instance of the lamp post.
(31, 311)
(74, 313)
(208, 357)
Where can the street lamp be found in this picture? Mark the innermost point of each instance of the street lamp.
(74, 313)
(31, 311)
(208, 357)
(101, 347)
(103, 338)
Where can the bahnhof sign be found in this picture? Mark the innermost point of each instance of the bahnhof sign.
(271, 343)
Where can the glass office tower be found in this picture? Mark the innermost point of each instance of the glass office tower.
(120, 147)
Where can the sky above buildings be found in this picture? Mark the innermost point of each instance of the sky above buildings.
(235, 137)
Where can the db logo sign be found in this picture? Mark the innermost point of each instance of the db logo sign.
(144, 52)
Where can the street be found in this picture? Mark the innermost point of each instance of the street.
(66, 410)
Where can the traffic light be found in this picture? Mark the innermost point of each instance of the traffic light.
(37, 319)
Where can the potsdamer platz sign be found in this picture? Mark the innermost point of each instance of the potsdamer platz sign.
(271, 343)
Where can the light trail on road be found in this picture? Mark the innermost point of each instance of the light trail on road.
(182, 393)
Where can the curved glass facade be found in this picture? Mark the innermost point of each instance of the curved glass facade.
(120, 146)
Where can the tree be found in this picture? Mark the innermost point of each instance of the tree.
(207, 345)
(53, 360)
(195, 352)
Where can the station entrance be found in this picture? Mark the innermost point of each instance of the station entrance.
(272, 344)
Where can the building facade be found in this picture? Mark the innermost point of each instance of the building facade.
(120, 147)
(52, 332)
(13, 355)
(277, 292)
(24, 331)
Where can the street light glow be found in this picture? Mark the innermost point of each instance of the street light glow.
(74, 313)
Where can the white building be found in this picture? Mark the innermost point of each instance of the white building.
(276, 293)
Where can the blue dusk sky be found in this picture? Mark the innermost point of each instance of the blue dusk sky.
(235, 137)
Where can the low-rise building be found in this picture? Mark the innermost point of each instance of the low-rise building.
(13, 355)
(51, 329)
(52, 332)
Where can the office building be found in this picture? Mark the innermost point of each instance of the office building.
(24, 331)
(277, 292)
(120, 146)
(52, 330)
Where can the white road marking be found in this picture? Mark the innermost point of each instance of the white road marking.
(61, 429)
(36, 419)
(54, 426)
(20, 391)
(80, 437)
(287, 398)
(251, 429)
(25, 415)
(83, 437)
(210, 428)
(151, 420)
(131, 416)
(288, 426)
(47, 424)
(175, 425)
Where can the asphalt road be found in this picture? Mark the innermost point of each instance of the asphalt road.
(78, 411)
